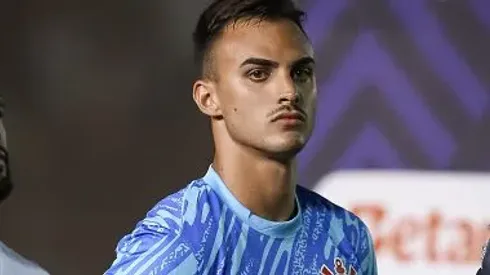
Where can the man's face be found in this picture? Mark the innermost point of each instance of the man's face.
(266, 85)
(5, 183)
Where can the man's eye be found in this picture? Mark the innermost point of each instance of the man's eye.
(302, 74)
(258, 75)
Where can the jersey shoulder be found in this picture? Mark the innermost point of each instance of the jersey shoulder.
(311, 199)
(170, 212)
(158, 242)
(344, 224)
(348, 232)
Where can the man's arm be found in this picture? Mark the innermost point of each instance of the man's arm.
(154, 248)
(366, 253)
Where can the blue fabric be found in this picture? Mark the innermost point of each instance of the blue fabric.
(203, 229)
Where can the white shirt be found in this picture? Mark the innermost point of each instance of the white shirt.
(11, 263)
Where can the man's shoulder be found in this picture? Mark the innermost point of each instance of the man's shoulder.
(159, 237)
(344, 225)
(316, 202)
(12, 262)
(170, 211)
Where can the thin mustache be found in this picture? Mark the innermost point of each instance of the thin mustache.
(283, 108)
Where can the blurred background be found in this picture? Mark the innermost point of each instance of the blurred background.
(101, 124)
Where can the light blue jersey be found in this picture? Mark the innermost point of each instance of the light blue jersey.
(204, 229)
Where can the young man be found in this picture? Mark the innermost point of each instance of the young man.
(10, 262)
(247, 215)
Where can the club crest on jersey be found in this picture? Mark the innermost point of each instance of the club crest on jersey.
(339, 269)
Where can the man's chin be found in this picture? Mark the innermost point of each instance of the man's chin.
(288, 149)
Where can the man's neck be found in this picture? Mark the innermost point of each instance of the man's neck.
(265, 186)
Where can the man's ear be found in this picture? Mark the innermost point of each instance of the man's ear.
(204, 94)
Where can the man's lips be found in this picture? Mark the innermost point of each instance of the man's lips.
(290, 115)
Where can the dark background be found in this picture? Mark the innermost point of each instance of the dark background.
(101, 122)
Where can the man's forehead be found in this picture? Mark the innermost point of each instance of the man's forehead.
(280, 40)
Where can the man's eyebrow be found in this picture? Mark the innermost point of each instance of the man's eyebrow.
(270, 63)
(303, 61)
(260, 62)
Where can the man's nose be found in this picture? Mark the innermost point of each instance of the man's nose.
(289, 91)
(290, 97)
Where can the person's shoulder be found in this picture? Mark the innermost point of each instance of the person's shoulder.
(313, 201)
(12, 262)
(169, 212)
(159, 236)
(344, 225)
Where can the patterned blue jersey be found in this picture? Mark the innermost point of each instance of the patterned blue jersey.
(204, 229)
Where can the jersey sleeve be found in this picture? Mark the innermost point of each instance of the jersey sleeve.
(366, 253)
(156, 246)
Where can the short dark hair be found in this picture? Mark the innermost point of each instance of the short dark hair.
(223, 12)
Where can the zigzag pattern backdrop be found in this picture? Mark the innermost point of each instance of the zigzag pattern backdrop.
(402, 84)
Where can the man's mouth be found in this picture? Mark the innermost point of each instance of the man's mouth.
(290, 116)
